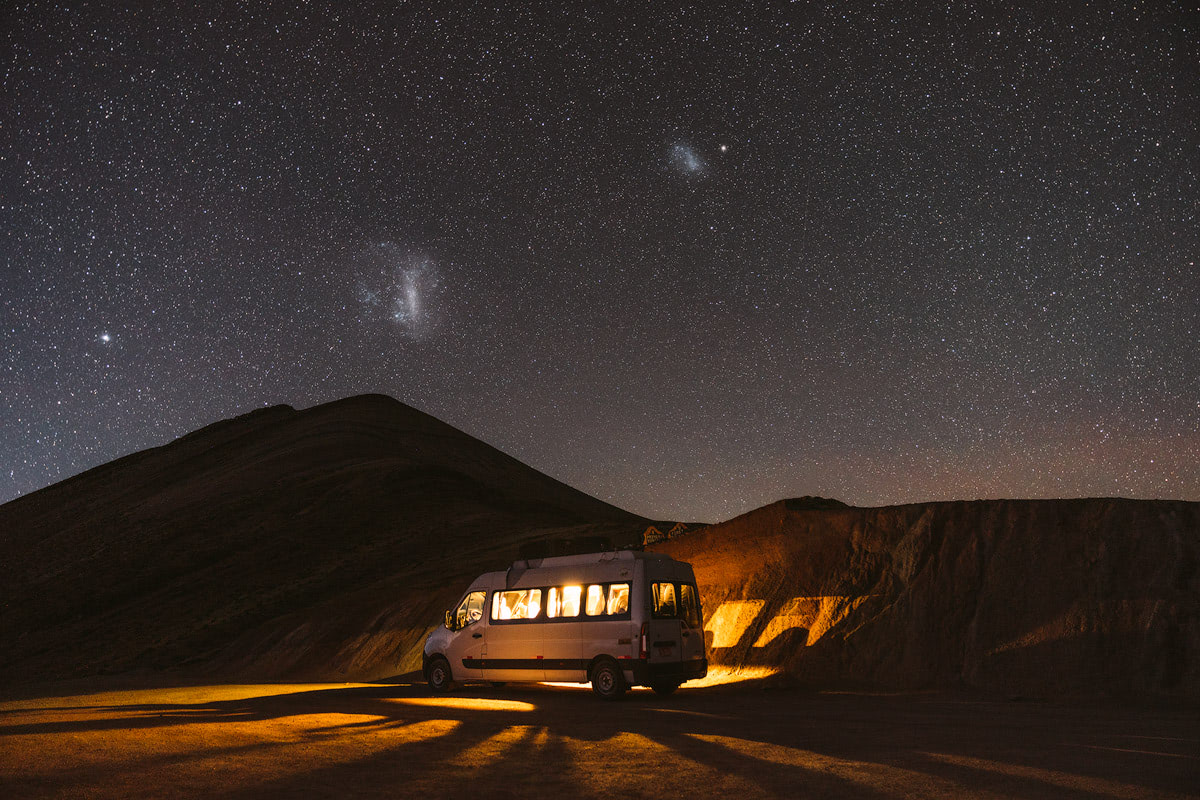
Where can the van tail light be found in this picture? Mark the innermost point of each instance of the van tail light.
(644, 652)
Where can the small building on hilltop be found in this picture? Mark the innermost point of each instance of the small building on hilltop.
(654, 534)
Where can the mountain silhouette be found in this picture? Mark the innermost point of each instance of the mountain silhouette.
(280, 544)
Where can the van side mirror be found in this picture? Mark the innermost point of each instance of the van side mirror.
(450, 619)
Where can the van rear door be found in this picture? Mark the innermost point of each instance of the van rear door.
(665, 628)
(691, 617)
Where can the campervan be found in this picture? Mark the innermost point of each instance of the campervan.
(616, 619)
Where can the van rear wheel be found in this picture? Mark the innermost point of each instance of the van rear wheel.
(607, 680)
(439, 676)
(664, 688)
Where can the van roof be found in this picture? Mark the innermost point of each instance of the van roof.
(589, 558)
(535, 566)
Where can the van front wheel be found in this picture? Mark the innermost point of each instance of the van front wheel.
(607, 680)
(439, 677)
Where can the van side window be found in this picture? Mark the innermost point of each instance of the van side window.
(595, 600)
(618, 598)
(571, 596)
(469, 610)
(563, 601)
(516, 604)
(689, 601)
(663, 595)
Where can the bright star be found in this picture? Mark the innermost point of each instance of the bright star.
(104, 337)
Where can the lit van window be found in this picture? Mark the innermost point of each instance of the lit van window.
(618, 598)
(689, 602)
(664, 600)
(516, 604)
(563, 601)
(570, 600)
(595, 600)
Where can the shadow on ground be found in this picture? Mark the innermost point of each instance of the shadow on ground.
(397, 739)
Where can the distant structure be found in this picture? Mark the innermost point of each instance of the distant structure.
(653, 534)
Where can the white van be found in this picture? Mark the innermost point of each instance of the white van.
(617, 619)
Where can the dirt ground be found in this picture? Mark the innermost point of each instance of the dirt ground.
(396, 740)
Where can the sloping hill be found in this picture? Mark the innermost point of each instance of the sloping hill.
(322, 544)
(300, 544)
(1030, 597)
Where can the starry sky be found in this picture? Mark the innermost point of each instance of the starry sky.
(688, 261)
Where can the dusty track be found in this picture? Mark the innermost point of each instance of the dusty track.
(396, 740)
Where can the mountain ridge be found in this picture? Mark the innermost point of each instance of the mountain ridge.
(170, 555)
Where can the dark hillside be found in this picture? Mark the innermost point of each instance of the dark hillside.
(282, 543)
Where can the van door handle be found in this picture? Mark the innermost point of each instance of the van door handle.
(476, 635)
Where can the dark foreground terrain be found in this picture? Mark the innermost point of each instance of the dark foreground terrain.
(335, 740)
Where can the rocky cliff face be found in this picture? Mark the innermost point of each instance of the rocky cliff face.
(1028, 597)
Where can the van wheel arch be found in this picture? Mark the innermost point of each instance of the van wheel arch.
(427, 660)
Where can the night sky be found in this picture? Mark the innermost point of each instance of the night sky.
(690, 262)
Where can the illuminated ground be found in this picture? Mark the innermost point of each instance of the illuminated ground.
(396, 740)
